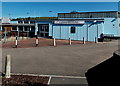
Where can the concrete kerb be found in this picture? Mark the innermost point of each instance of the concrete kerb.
(51, 76)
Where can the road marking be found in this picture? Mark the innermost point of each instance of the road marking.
(49, 80)
(59, 76)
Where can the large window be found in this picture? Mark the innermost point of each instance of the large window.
(72, 30)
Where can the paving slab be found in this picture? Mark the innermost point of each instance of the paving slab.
(68, 81)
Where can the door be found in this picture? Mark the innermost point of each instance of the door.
(43, 30)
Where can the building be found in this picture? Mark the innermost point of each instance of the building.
(16, 28)
(76, 25)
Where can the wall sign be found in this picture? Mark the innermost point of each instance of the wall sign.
(69, 22)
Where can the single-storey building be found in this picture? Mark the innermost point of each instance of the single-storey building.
(74, 25)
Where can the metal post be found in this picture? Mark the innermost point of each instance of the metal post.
(83, 40)
(8, 66)
(16, 42)
(37, 41)
(70, 41)
(54, 42)
(96, 40)
(5, 35)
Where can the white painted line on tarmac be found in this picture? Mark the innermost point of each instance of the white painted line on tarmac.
(59, 76)
(49, 80)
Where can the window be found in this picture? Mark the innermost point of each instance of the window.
(14, 28)
(113, 25)
(3, 28)
(20, 22)
(32, 22)
(0, 28)
(26, 28)
(32, 29)
(72, 29)
(20, 28)
(27, 22)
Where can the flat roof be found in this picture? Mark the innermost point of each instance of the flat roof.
(15, 24)
(89, 12)
(81, 19)
(89, 19)
(20, 24)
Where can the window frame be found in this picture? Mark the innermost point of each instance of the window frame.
(72, 29)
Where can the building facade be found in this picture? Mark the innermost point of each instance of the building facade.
(75, 25)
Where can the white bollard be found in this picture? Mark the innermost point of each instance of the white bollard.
(96, 40)
(37, 41)
(8, 66)
(54, 42)
(16, 42)
(70, 41)
(83, 40)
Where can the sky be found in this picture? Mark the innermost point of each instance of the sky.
(60, 0)
(50, 9)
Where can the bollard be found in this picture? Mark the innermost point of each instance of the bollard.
(96, 40)
(8, 66)
(70, 41)
(37, 41)
(16, 42)
(83, 40)
(54, 42)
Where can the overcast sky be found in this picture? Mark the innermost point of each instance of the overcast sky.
(60, 0)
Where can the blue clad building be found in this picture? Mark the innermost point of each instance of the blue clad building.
(76, 25)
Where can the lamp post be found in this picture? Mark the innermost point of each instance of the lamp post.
(28, 14)
(9, 14)
(51, 13)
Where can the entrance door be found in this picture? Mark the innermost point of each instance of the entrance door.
(43, 30)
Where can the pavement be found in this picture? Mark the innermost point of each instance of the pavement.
(75, 81)
(64, 60)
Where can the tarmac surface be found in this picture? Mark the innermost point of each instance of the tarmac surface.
(64, 60)
(42, 42)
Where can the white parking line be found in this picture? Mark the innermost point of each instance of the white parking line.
(49, 80)
(59, 76)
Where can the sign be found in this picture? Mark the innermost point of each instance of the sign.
(69, 22)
